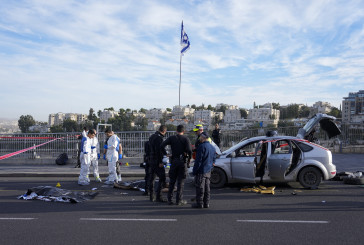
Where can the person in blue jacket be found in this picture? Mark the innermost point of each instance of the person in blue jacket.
(204, 162)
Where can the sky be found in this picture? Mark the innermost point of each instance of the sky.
(70, 56)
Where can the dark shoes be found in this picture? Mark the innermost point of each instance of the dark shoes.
(195, 205)
(181, 203)
(170, 202)
(160, 199)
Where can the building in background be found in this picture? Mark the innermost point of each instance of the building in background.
(265, 115)
(107, 114)
(353, 108)
(320, 107)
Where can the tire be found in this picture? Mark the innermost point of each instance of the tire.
(218, 178)
(310, 177)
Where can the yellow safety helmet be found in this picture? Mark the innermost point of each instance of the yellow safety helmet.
(198, 127)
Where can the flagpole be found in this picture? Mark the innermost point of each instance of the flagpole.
(180, 68)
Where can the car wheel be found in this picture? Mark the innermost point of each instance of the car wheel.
(310, 177)
(218, 178)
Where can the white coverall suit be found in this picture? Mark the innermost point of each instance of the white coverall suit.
(112, 155)
(85, 159)
(95, 153)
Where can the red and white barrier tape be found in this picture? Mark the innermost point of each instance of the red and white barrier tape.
(30, 148)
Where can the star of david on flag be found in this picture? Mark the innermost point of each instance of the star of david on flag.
(185, 43)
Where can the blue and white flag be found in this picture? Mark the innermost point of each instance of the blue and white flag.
(185, 43)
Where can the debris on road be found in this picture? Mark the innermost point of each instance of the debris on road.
(259, 189)
(355, 178)
(54, 194)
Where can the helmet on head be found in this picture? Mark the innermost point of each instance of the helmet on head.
(197, 127)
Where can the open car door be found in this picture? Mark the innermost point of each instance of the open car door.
(326, 123)
(242, 163)
(280, 160)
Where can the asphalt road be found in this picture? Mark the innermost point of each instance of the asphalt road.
(332, 214)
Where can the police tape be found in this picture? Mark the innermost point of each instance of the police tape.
(30, 148)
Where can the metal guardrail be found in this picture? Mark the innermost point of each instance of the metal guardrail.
(133, 141)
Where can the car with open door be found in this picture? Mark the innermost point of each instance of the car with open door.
(278, 159)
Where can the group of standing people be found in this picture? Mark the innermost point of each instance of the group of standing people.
(90, 154)
(181, 154)
(156, 158)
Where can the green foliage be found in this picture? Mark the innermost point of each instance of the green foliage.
(335, 112)
(222, 109)
(284, 123)
(276, 106)
(304, 112)
(243, 113)
(209, 107)
(56, 129)
(25, 122)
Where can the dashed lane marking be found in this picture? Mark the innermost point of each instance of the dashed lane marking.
(285, 221)
(105, 219)
(18, 218)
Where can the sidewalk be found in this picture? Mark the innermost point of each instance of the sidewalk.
(69, 170)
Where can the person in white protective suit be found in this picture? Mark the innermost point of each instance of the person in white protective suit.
(95, 156)
(85, 158)
(112, 156)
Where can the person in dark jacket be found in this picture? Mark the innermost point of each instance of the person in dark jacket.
(147, 168)
(156, 165)
(205, 158)
(216, 135)
(181, 156)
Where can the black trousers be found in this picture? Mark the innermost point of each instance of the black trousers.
(177, 173)
(147, 177)
(156, 171)
(203, 188)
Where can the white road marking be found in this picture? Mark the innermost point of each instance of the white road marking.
(104, 219)
(18, 218)
(285, 221)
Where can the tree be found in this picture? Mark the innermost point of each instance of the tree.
(304, 112)
(335, 112)
(243, 113)
(25, 122)
(56, 129)
(276, 106)
(91, 115)
(70, 125)
(209, 107)
(221, 109)
(142, 110)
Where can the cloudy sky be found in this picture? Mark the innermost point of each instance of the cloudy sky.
(70, 56)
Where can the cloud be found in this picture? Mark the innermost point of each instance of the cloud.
(126, 54)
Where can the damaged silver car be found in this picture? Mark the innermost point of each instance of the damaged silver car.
(279, 159)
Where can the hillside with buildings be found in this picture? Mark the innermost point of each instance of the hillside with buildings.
(230, 117)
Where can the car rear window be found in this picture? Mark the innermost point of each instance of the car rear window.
(304, 147)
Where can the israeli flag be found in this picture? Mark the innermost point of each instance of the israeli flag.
(185, 43)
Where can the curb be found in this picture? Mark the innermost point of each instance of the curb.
(62, 175)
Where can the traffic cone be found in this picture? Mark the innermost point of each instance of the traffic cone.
(58, 185)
